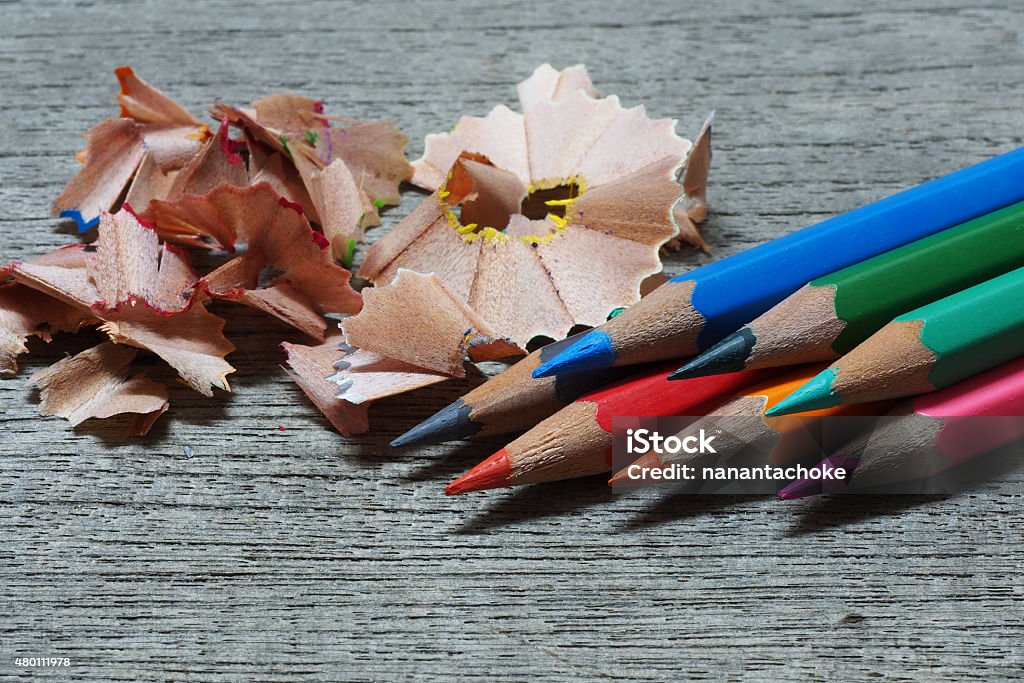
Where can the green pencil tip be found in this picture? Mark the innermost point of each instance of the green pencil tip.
(379, 203)
(815, 395)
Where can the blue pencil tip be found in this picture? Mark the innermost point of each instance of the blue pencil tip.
(593, 352)
(83, 225)
(815, 395)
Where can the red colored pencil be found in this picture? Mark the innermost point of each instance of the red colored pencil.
(577, 440)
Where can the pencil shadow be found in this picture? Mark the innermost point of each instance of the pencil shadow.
(998, 471)
(834, 512)
(456, 458)
(680, 506)
(538, 501)
(395, 415)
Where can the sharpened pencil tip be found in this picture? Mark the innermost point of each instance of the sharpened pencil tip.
(816, 486)
(625, 479)
(448, 424)
(593, 352)
(728, 355)
(817, 394)
(492, 473)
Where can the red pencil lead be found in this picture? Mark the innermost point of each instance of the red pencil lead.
(623, 478)
(492, 473)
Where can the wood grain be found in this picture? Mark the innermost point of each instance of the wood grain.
(297, 554)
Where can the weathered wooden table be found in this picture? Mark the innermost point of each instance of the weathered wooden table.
(297, 554)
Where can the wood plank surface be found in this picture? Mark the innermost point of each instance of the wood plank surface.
(296, 554)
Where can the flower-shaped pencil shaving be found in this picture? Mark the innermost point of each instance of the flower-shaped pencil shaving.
(550, 218)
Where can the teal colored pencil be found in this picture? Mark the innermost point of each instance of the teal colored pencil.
(926, 349)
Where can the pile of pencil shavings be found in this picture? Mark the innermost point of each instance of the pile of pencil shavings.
(538, 221)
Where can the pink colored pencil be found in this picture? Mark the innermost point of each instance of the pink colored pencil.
(928, 434)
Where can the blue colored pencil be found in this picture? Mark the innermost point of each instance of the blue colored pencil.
(692, 311)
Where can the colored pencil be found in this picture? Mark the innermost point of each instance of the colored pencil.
(577, 440)
(692, 311)
(830, 316)
(740, 426)
(929, 348)
(932, 433)
(509, 402)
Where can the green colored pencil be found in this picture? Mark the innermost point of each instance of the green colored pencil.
(926, 349)
(833, 314)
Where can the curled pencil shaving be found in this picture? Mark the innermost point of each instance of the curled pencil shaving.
(549, 218)
(144, 103)
(276, 236)
(218, 162)
(139, 153)
(410, 334)
(418, 321)
(693, 209)
(363, 377)
(25, 312)
(343, 389)
(95, 384)
(309, 367)
(146, 296)
(348, 171)
(270, 166)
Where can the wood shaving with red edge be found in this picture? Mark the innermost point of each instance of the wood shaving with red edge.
(276, 234)
(145, 295)
(348, 171)
(139, 153)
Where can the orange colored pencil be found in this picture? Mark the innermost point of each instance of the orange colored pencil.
(740, 427)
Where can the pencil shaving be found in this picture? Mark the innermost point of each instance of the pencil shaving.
(272, 167)
(362, 377)
(95, 384)
(418, 321)
(309, 367)
(347, 172)
(138, 153)
(693, 209)
(276, 235)
(141, 101)
(551, 218)
(145, 295)
(25, 312)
